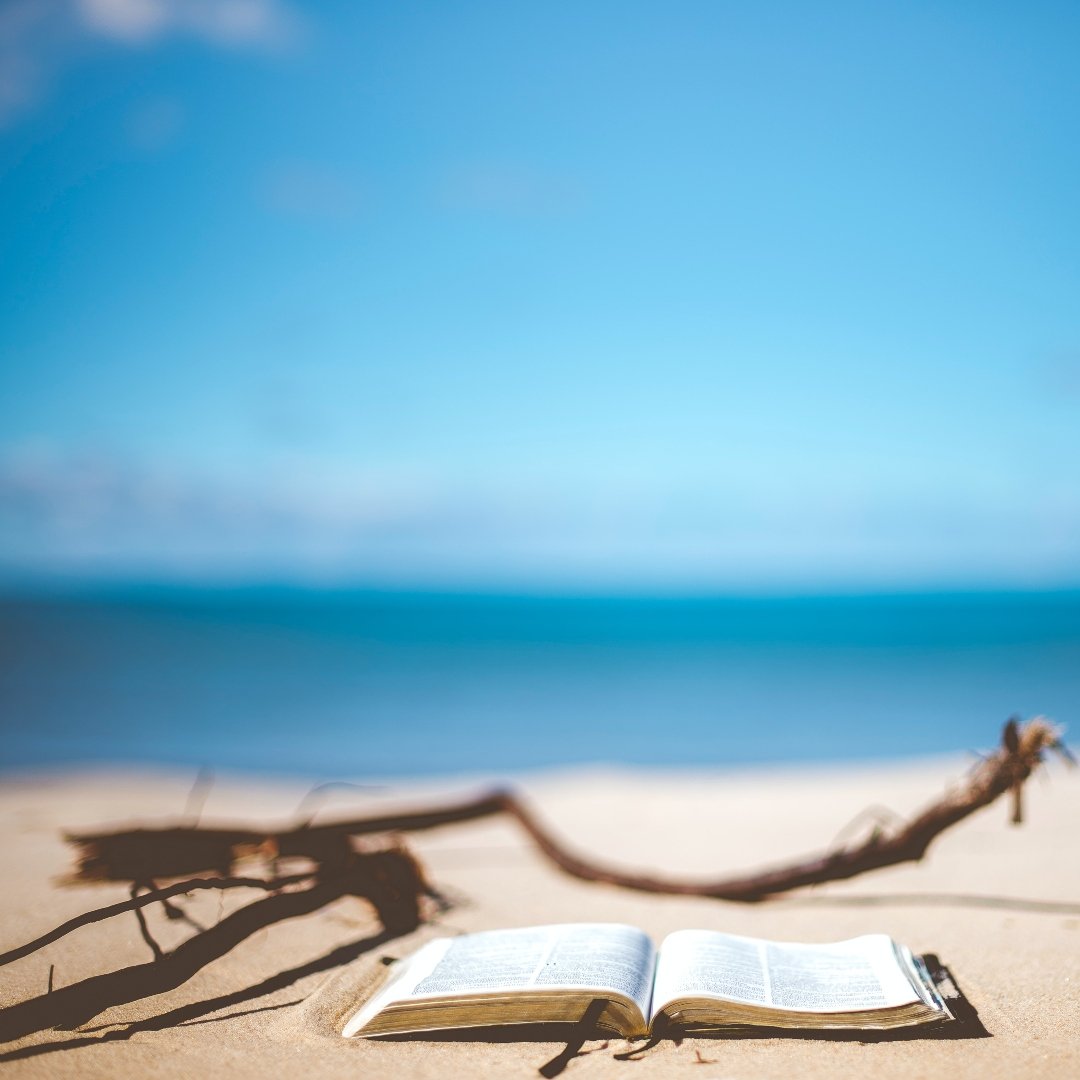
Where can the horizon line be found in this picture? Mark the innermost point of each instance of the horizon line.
(43, 586)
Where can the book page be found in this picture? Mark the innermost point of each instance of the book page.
(863, 973)
(592, 956)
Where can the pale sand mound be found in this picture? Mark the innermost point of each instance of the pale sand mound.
(273, 1006)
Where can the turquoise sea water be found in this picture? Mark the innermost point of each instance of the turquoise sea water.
(341, 684)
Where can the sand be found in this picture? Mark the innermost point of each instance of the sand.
(999, 905)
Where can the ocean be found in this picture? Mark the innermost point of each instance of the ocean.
(361, 683)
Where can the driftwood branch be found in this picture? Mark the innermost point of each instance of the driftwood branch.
(143, 855)
(1023, 748)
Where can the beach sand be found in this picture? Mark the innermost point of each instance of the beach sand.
(1000, 906)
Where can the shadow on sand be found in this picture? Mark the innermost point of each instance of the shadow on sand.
(965, 1025)
(389, 879)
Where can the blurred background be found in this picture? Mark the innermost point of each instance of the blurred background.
(398, 388)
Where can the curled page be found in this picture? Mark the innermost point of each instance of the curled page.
(858, 975)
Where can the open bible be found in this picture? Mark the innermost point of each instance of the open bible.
(697, 979)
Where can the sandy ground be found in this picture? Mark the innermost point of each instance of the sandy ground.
(999, 905)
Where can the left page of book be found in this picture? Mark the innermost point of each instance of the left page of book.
(593, 959)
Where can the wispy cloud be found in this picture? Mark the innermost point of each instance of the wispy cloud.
(510, 188)
(87, 513)
(32, 33)
(1059, 373)
(156, 124)
(313, 190)
(64, 511)
(40, 38)
(222, 22)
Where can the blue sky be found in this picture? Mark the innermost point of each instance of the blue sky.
(600, 294)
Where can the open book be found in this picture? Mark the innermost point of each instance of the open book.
(697, 978)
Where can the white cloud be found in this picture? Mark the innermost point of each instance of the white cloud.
(223, 22)
(125, 20)
(39, 38)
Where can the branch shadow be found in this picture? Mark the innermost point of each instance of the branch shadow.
(390, 879)
(72, 1006)
(957, 900)
(196, 1012)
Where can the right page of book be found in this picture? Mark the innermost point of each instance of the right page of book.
(862, 973)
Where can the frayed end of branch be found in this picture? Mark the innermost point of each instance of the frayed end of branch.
(1024, 747)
